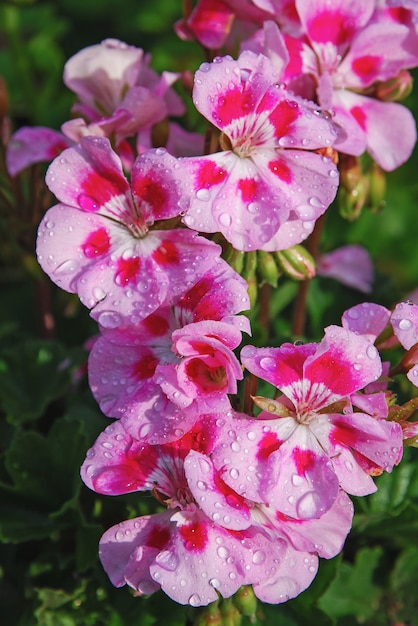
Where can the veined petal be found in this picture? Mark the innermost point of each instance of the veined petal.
(404, 322)
(89, 176)
(353, 356)
(389, 144)
(366, 319)
(28, 146)
(219, 501)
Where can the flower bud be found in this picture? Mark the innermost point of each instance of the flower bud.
(350, 171)
(296, 262)
(231, 616)
(395, 89)
(245, 600)
(235, 258)
(209, 616)
(377, 188)
(352, 202)
(267, 268)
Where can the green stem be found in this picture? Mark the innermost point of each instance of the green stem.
(299, 315)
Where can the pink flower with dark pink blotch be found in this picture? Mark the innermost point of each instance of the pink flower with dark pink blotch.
(310, 440)
(268, 186)
(157, 374)
(102, 240)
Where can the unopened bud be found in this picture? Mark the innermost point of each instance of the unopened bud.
(352, 202)
(350, 171)
(267, 268)
(231, 616)
(245, 600)
(235, 258)
(209, 616)
(377, 188)
(395, 89)
(296, 262)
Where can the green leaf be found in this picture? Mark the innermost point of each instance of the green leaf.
(32, 374)
(353, 592)
(44, 473)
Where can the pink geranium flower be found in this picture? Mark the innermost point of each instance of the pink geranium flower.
(310, 440)
(210, 540)
(349, 47)
(268, 186)
(189, 554)
(157, 374)
(101, 240)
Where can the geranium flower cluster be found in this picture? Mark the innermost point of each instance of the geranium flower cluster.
(246, 500)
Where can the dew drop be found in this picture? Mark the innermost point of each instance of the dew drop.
(405, 324)
(353, 314)
(225, 219)
(223, 552)
(372, 352)
(203, 194)
(316, 202)
(205, 67)
(109, 319)
(234, 473)
(259, 557)
(68, 267)
(215, 583)
(268, 363)
(194, 600)
(297, 480)
(308, 506)
(87, 203)
(98, 293)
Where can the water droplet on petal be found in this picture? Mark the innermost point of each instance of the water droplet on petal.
(98, 293)
(223, 552)
(225, 219)
(309, 505)
(297, 480)
(215, 583)
(203, 194)
(268, 363)
(372, 352)
(405, 324)
(87, 203)
(316, 202)
(259, 557)
(67, 267)
(109, 319)
(195, 600)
